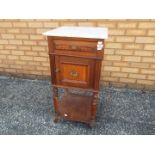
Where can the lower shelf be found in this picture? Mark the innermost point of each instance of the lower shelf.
(75, 107)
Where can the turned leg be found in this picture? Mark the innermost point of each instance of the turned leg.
(93, 110)
(55, 96)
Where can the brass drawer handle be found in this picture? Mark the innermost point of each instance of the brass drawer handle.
(74, 73)
(73, 47)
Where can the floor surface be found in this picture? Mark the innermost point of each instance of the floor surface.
(26, 109)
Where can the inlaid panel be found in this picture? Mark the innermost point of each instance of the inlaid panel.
(74, 71)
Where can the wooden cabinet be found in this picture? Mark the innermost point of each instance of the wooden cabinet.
(76, 67)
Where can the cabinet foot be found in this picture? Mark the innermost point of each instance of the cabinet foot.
(92, 124)
(56, 119)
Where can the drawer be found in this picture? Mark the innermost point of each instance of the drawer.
(72, 45)
(75, 72)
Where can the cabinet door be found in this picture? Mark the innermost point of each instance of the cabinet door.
(75, 72)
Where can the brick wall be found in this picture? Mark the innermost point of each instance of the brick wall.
(129, 51)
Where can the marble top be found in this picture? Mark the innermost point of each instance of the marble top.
(79, 32)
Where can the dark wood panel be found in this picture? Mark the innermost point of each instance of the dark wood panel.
(76, 108)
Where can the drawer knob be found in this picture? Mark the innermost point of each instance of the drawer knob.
(73, 47)
(74, 73)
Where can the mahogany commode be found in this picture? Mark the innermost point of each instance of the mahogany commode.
(76, 54)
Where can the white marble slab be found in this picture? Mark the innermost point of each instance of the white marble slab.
(79, 32)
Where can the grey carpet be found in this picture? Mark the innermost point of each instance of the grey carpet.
(26, 108)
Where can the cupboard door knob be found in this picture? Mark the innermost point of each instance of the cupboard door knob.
(65, 115)
(57, 70)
